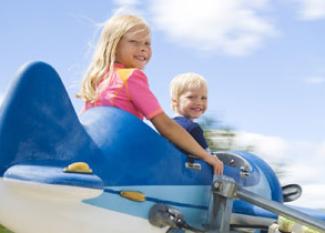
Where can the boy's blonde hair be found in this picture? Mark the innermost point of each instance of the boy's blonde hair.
(104, 55)
(184, 82)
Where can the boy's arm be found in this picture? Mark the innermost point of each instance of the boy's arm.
(180, 137)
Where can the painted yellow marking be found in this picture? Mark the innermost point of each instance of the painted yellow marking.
(133, 196)
(78, 167)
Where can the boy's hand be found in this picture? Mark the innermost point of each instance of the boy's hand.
(217, 166)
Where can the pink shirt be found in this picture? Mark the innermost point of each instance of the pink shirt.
(128, 89)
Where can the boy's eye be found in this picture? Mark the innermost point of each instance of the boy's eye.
(204, 98)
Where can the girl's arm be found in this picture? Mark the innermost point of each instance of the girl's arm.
(180, 137)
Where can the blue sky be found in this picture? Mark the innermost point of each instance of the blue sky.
(263, 60)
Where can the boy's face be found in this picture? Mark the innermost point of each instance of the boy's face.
(192, 103)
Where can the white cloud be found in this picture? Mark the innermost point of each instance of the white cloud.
(303, 163)
(308, 166)
(312, 197)
(127, 7)
(2, 96)
(126, 2)
(232, 27)
(303, 160)
(315, 80)
(272, 148)
(312, 9)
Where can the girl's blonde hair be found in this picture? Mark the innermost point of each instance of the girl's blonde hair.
(184, 82)
(104, 55)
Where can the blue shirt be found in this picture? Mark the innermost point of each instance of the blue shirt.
(193, 128)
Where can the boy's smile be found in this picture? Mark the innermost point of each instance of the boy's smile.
(192, 103)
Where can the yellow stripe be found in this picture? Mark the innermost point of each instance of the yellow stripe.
(124, 74)
(133, 196)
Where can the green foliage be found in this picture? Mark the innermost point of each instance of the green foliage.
(4, 230)
(218, 135)
(290, 225)
(221, 137)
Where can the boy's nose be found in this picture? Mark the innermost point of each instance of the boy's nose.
(198, 100)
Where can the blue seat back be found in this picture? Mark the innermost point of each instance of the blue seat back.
(38, 122)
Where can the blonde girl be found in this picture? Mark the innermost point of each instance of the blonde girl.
(115, 78)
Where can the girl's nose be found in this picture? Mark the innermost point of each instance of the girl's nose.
(144, 48)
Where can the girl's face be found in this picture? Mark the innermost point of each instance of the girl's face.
(134, 48)
(192, 103)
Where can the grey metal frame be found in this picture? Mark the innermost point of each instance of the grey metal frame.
(225, 190)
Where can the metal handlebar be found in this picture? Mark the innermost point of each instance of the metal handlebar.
(225, 189)
(280, 209)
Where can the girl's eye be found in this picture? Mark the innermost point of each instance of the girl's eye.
(204, 98)
(138, 43)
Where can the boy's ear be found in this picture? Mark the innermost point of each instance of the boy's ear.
(174, 104)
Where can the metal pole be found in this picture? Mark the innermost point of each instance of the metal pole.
(280, 209)
(220, 209)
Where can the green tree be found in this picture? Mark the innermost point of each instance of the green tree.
(4, 230)
(220, 136)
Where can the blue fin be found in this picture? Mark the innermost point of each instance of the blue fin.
(38, 122)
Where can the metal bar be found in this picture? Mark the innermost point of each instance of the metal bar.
(220, 214)
(280, 209)
(220, 208)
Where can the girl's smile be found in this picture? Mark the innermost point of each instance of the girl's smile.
(134, 48)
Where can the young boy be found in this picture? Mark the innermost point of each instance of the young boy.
(189, 101)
